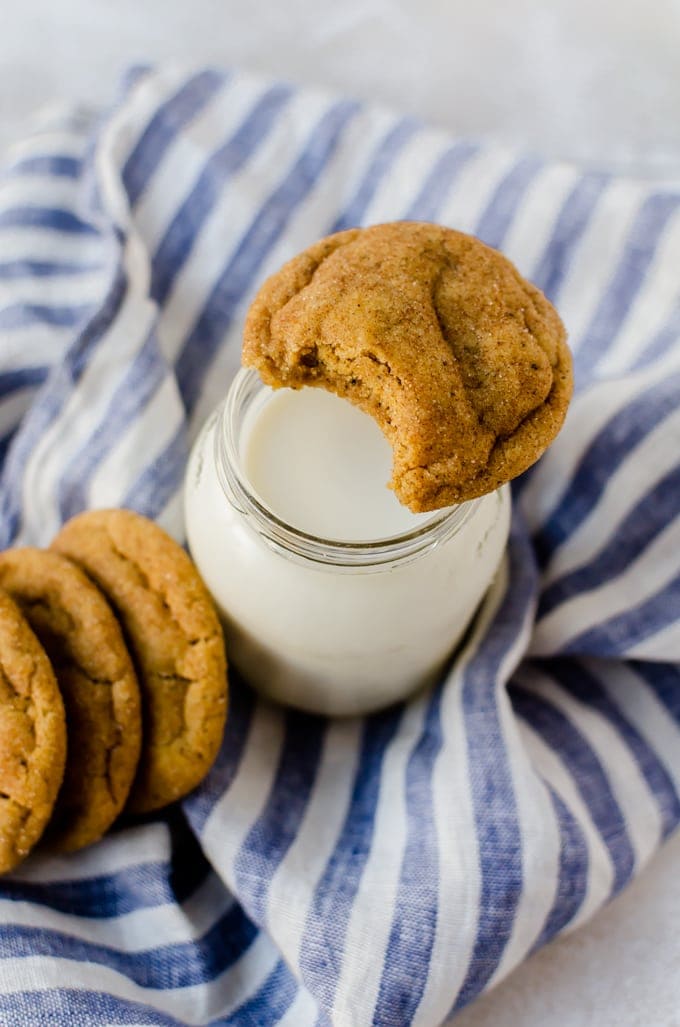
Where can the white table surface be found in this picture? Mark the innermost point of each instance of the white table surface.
(593, 80)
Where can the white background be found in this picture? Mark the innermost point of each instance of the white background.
(593, 80)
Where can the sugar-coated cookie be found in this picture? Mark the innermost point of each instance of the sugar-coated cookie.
(175, 638)
(83, 640)
(32, 737)
(463, 363)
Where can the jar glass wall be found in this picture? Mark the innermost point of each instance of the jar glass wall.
(325, 625)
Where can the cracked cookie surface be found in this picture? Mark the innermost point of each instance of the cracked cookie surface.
(173, 632)
(85, 645)
(462, 363)
(32, 737)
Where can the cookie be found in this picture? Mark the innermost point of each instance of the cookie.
(84, 643)
(175, 638)
(32, 737)
(462, 363)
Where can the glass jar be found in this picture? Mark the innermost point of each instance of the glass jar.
(331, 627)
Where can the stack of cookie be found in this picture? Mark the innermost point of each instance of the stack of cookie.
(113, 685)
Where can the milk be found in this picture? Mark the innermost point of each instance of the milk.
(322, 465)
(293, 530)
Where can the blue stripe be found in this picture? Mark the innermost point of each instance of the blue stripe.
(55, 393)
(275, 829)
(617, 636)
(589, 776)
(178, 965)
(237, 278)
(326, 926)
(144, 376)
(177, 243)
(21, 378)
(12, 269)
(640, 528)
(607, 451)
(664, 681)
(52, 218)
(585, 687)
(270, 1003)
(409, 949)
(572, 879)
(55, 165)
(380, 165)
(628, 279)
(143, 886)
(77, 1006)
(161, 479)
(571, 223)
(200, 804)
(494, 223)
(165, 126)
(499, 839)
(27, 315)
(439, 182)
(666, 339)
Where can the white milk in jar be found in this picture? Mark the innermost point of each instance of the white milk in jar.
(335, 597)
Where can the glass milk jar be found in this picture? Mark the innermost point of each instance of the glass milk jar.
(334, 597)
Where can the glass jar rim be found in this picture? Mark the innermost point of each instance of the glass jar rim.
(292, 541)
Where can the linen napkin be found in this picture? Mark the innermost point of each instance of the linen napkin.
(383, 870)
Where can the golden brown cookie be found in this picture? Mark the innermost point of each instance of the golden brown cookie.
(84, 642)
(463, 363)
(175, 637)
(32, 737)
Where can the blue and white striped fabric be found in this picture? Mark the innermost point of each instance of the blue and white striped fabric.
(381, 871)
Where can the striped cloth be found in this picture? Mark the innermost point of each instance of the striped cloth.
(386, 870)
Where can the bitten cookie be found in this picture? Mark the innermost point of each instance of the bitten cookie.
(175, 637)
(84, 642)
(32, 737)
(462, 363)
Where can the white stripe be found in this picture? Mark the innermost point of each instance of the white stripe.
(637, 701)
(135, 846)
(233, 816)
(195, 1005)
(38, 191)
(220, 237)
(13, 408)
(38, 345)
(473, 188)
(138, 931)
(600, 866)
(657, 299)
(370, 921)
(184, 161)
(632, 794)
(539, 833)
(457, 841)
(536, 214)
(303, 1012)
(67, 290)
(293, 885)
(645, 465)
(48, 142)
(402, 184)
(663, 645)
(44, 244)
(171, 517)
(597, 256)
(139, 443)
(587, 417)
(652, 571)
(76, 421)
